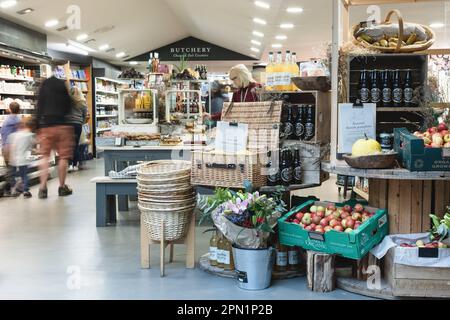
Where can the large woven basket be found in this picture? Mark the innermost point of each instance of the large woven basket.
(431, 37)
(166, 197)
(175, 223)
(229, 171)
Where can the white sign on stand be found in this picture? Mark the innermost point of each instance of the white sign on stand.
(355, 121)
(231, 137)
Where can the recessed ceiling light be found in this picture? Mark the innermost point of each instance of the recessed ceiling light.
(103, 47)
(258, 34)
(82, 37)
(25, 11)
(8, 4)
(260, 21)
(121, 55)
(286, 26)
(80, 46)
(277, 45)
(134, 63)
(262, 5)
(437, 25)
(51, 23)
(281, 37)
(254, 49)
(256, 43)
(295, 10)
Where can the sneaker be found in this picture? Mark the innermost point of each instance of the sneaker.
(27, 195)
(75, 168)
(70, 168)
(64, 191)
(43, 194)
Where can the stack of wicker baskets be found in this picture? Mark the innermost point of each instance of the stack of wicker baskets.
(167, 197)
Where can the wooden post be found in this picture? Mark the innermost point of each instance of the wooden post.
(360, 268)
(145, 246)
(321, 272)
(162, 249)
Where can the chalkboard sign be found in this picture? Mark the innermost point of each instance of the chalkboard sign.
(17, 36)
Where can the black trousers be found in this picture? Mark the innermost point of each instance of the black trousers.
(77, 128)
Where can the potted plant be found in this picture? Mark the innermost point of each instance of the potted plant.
(247, 219)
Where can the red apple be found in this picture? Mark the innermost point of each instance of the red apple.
(337, 214)
(328, 229)
(348, 209)
(359, 208)
(350, 223)
(339, 229)
(316, 220)
(334, 223)
(442, 127)
(344, 223)
(432, 130)
(324, 222)
(320, 230)
(348, 230)
(345, 215)
(358, 224)
(313, 226)
(309, 228)
(321, 209)
(320, 214)
(299, 216)
(356, 216)
(296, 221)
(331, 207)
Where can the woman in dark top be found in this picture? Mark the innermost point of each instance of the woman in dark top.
(218, 98)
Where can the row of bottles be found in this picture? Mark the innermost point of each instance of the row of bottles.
(15, 71)
(288, 258)
(186, 106)
(279, 72)
(386, 88)
(286, 170)
(221, 252)
(300, 125)
(202, 72)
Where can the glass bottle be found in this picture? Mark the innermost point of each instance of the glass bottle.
(293, 258)
(300, 124)
(277, 69)
(286, 168)
(269, 72)
(281, 262)
(298, 168)
(273, 178)
(228, 259)
(375, 91)
(364, 91)
(295, 70)
(310, 125)
(220, 252)
(408, 91)
(213, 249)
(397, 90)
(289, 132)
(387, 90)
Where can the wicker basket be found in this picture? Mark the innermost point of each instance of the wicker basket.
(229, 171)
(263, 119)
(176, 223)
(400, 47)
(166, 195)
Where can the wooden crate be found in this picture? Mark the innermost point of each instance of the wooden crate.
(408, 281)
(391, 117)
(321, 101)
(312, 156)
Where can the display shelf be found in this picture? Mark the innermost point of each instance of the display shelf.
(107, 104)
(103, 129)
(107, 92)
(107, 115)
(290, 188)
(25, 94)
(394, 109)
(23, 79)
(126, 109)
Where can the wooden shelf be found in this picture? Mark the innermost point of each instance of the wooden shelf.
(26, 94)
(107, 92)
(361, 193)
(24, 79)
(401, 109)
(107, 104)
(107, 116)
(103, 129)
(79, 80)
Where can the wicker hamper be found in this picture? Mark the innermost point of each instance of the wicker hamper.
(233, 170)
(166, 197)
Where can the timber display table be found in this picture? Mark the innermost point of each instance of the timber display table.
(409, 197)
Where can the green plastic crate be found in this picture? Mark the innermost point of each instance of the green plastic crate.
(355, 245)
(415, 157)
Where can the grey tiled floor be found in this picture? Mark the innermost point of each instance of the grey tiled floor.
(52, 250)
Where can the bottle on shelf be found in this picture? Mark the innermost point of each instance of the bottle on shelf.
(220, 251)
(375, 91)
(286, 168)
(289, 132)
(386, 89)
(282, 259)
(295, 70)
(397, 90)
(293, 258)
(287, 72)
(274, 177)
(364, 91)
(310, 124)
(408, 90)
(278, 69)
(298, 168)
(300, 124)
(269, 72)
(213, 249)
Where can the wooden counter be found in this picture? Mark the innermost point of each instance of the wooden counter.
(409, 197)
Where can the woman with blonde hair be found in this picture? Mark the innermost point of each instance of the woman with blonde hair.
(243, 80)
(77, 118)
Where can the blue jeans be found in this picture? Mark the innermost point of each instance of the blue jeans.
(22, 172)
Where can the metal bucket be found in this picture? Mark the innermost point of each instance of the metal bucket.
(254, 267)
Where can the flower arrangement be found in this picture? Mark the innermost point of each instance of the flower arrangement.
(246, 218)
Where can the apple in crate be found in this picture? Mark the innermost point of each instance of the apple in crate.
(447, 138)
(339, 229)
(358, 224)
(348, 230)
(320, 214)
(328, 229)
(348, 209)
(313, 209)
(334, 223)
(309, 228)
(299, 216)
(345, 215)
(307, 219)
(316, 220)
(337, 214)
(359, 208)
(442, 127)
(296, 221)
(357, 216)
(350, 223)
(437, 140)
(324, 222)
(321, 209)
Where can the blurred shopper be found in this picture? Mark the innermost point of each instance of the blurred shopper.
(77, 118)
(218, 98)
(54, 133)
(246, 85)
(10, 125)
(20, 147)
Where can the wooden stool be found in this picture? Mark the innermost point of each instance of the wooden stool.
(320, 271)
(189, 240)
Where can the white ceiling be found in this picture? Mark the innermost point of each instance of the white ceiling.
(138, 26)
